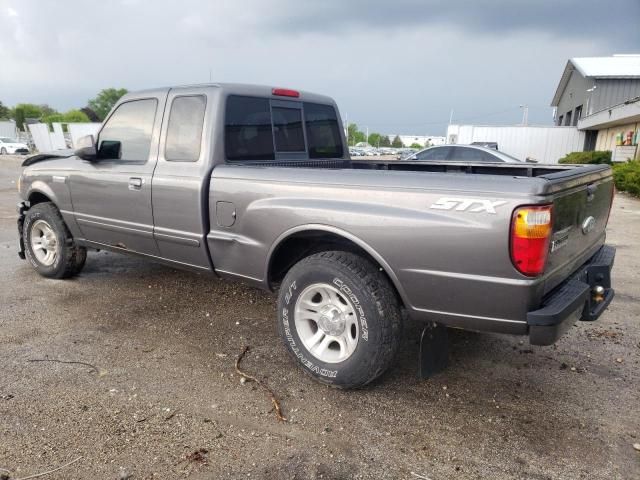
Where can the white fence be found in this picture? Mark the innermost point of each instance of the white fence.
(8, 129)
(546, 144)
(46, 140)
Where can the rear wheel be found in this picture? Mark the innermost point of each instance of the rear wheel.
(49, 246)
(339, 318)
(3, 151)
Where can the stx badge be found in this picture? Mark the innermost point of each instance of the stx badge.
(467, 204)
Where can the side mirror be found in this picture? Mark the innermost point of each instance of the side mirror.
(87, 148)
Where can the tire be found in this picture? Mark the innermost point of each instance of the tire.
(356, 313)
(49, 245)
(3, 151)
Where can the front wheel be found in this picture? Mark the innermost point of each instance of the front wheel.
(49, 246)
(3, 151)
(339, 317)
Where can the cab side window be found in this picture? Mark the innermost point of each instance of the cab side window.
(127, 134)
(184, 133)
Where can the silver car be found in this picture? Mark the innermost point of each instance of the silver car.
(461, 153)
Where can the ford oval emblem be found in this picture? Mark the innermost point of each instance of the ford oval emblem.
(588, 225)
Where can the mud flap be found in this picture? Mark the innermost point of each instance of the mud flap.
(21, 208)
(434, 350)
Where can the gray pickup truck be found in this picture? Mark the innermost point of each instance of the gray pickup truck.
(255, 184)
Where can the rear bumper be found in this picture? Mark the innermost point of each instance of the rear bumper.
(574, 299)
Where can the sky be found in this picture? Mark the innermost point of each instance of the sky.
(395, 67)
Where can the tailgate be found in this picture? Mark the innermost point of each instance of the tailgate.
(579, 217)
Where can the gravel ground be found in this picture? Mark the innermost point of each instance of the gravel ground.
(166, 402)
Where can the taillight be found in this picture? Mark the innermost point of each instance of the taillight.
(285, 92)
(530, 234)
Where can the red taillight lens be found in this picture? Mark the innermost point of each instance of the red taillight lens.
(285, 92)
(530, 234)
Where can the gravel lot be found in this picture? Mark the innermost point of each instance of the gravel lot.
(167, 403)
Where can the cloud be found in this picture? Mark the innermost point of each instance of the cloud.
(396, 67)
(560, 18)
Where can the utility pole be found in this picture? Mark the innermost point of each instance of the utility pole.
(451, 117)
(346, 127)
(525, 114)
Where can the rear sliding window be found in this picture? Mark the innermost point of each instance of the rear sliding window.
(287, 128)
(256, 129)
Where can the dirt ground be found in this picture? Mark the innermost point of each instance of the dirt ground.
(165, 401)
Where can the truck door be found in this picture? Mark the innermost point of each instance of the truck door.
(181, 178)
(112, 195)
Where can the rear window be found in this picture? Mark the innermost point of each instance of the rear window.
(247, 130)
(263, 129)
(461, 154)
(323, 131)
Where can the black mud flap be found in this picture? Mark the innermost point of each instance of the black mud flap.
(21, 208)
(434, 350)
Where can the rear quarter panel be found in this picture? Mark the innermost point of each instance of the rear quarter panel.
(451, 266)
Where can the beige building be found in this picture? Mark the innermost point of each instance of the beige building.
(601, 96)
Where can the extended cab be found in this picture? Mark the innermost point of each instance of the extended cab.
(256, 184)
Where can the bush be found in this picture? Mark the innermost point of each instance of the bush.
(587, 157)
(627, 177)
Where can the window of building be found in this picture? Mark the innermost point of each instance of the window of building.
(247, 132)
(567, 119)
(184, 133)
(127, 134)
(287, 129)
(560, 118)
(323, 132)
(578, 115)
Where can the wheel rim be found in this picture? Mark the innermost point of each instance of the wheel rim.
(44, 243)
(326, 323)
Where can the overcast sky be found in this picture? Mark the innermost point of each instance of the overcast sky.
(395, 66)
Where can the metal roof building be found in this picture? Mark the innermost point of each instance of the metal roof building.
(601, 95)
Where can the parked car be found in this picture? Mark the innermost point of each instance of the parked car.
(352, 247)
(10, 146)
(461, 153)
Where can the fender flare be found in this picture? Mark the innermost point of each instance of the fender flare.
(38, 186)
(341, 233)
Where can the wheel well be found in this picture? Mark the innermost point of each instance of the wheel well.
(37, 197)
(302, 244)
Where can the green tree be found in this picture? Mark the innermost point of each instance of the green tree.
(397, 143)
(18, 115)
(354, 135)
(416, 146)
(105, 100)
(384, 141)
(29, 110)
(75, 116)
(374, 139)
(54, 118)
(5, 112)
(46, 110)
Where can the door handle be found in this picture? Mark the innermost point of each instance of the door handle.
(135, 183)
